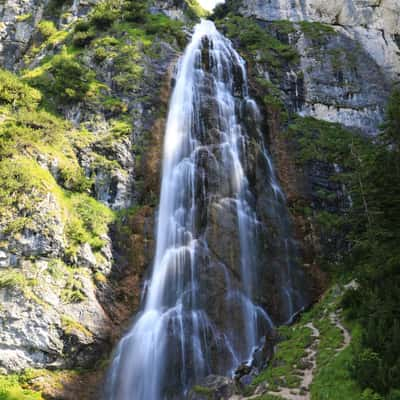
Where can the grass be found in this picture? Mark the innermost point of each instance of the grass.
(11, 278)
(72, 327)
(262, 45)
(332, 379)
(11, 389)
(27, 131)
(289, 352)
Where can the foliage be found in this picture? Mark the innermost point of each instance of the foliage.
(370, 171)
(63, 78)
(104, 14)
(28, 134)
(47, 28)
(11, 389)
(375, 257)
(224, 9)
(257, 41)
(316, 31)
(195, 10)
(17, 93)
(135, 11)
(89, 222)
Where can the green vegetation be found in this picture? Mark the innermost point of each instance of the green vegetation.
(316, 31)
(375, 257)
(371, 174)
(12, 278)
(63, 79)
(24, 17)
(203, 391)
(27, 132)
(11, 389)
(130, 16)
(15, 93)
(72, 327)
(195, 10)
(332, 378)
(259, 43)
(47, 28)
(289, 352)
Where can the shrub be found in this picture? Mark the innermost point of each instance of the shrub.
(17, 93)
(83, 38)
(135, 10)
(10, 389)
(47, 29)
(104, 14)
(64, 78)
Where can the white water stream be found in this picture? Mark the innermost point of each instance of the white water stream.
(199, 316)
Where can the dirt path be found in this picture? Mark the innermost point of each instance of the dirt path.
(335, 320)
(310, 361)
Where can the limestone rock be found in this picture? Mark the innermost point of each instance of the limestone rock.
(375, 14)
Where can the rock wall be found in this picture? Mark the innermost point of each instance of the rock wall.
(19, 20)
(367, 30)
(65, 303)
(372, 14)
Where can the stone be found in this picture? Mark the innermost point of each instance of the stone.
(213, 387)
(4, 259)
(86, 256)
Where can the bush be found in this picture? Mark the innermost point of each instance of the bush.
(135, 10)
(369, 394)
(82, 39)
(104, 14)
(47, 29)
(10, 389)
(63, 78)
(16, 93)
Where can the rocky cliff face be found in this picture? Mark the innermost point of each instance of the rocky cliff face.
(20, 19)
(80, 186)
(366, 31)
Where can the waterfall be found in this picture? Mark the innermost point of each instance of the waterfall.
(224, 255)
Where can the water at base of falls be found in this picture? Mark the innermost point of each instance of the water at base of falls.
(224, 252)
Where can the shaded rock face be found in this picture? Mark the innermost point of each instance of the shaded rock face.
(342, 82)
(273, 252)
(217, 219)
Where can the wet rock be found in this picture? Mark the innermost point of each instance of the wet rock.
(213, 388)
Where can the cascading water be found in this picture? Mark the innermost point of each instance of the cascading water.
(204, 309)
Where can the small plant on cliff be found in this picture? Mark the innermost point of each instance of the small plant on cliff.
(63, 78)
